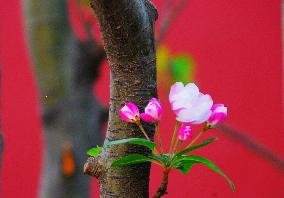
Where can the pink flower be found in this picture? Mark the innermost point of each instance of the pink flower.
(184, 133)
(219, 113)
(190, 105)
(153, 111)
(129, 112)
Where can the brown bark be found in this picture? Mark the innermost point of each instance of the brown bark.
(128, 34)
(162, 190)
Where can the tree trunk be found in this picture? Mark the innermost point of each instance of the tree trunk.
(70, 126)
(73, 118)
(128, 34)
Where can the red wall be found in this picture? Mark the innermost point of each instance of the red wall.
(20, 108)
(237, 48)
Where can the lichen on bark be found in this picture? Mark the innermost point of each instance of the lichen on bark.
(127, 28)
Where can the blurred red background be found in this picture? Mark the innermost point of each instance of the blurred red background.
(237, 49)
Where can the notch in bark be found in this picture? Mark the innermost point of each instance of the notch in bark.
(127, 28)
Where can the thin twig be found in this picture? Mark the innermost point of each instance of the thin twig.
(159, 138)
(173, 137)
(162, 190)
(170, 18)
(138, 123)
(143, 131)
(250, 143)
(197, 137)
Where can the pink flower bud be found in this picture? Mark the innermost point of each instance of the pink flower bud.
(129, 112)
(153, 111)
(219, 113)
(184, 133)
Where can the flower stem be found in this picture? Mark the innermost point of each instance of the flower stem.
(143, 131)
(178, 146)
(173, 137)
(197, 137)
(145, 134)
(159, 138)
(162, 190)
(175, 146)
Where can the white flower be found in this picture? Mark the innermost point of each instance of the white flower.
(190, 105)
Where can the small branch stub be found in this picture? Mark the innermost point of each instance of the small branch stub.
(93, 167)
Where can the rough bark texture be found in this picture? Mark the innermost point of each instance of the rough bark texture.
(128, 34)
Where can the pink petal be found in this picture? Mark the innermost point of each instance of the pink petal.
(155, 100)
(124, 116)
(184, 133)
(133, 108)
(147, 118)
(221, 109)
(218, 116)
(155, 107)
(151, 110)
(215, 106)
(159, 113)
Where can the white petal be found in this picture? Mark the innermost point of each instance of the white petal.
(175, 89)
(152, 110)
(203, 103)
(203, 118)
(192, 88)
(221, 110)
(184, 115)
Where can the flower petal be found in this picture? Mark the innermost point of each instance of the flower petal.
(216, 106)
(147, 118)
(124, 116)
(133, 108)
(184, 133)
(153, 111)
(219, 113)
(175, 89)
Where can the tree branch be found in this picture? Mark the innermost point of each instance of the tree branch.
(169, 17)
(94, 167)
(162, 190)
(253, 145)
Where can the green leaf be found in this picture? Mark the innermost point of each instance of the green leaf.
(206, 142)
(209, 164)
(184, 166)
(163, 159)
(182, 67)
(140, 141)
(95, 151)
(158, 158)
(131, 159)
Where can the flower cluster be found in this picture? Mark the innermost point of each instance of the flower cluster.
(189, 105)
